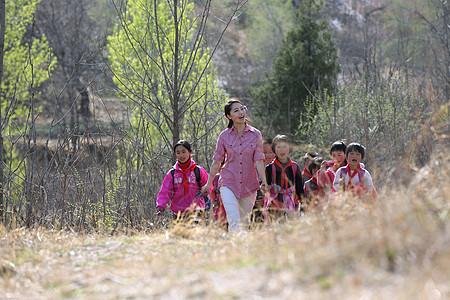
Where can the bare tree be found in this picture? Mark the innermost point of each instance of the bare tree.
(76, 40)
(110, 184)
(167, 64)
(438, 43)
(2, 45)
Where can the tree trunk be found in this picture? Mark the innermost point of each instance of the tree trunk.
(2, 45)
(176, 89)
(84, 105)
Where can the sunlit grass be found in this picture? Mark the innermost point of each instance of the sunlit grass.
(397, 247)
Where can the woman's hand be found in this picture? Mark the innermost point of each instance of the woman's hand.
(205, 189)
(264, 187)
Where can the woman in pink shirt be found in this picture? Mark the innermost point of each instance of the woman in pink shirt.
(241, 146)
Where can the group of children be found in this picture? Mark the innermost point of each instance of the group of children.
(291, 190)
(294, 192)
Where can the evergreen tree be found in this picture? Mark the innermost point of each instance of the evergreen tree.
(306, 63)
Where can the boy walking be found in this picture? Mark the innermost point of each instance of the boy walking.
(354, 177)
(285, 180)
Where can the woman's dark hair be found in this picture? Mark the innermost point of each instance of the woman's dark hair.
(183, 143)
(338, 146)
(315, 163)
(227, 110)
(355, 147)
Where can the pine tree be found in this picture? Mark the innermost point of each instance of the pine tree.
(306, 63)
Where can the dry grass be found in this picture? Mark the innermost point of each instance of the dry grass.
(397, 248)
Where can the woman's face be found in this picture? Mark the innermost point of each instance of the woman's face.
(182, 154)
(238, 113)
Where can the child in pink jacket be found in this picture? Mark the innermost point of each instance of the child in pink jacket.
(327, 172)
(182, 183)
(220, 215)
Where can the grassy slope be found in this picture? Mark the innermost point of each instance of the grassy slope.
(395, 249)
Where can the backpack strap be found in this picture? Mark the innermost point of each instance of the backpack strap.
(274, 173)
(172, 171)
(197, 176)
(294, 169)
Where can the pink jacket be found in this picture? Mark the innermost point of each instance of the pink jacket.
(172, 189)
(325, 180)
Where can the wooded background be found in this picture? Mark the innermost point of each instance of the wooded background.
(95, 93)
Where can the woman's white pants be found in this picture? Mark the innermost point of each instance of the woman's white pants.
(238, 210)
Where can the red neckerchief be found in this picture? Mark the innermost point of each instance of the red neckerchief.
(352, 175)
(314, 179)
(335, 168)
(185, 169)
(284, 179)
(184, 166)
(306, 173)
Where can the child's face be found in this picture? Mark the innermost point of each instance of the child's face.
(268, 153)
(306, 162)
(338, 157)
(182, 154)
(282, 151)
(354, 158)
(314, 171)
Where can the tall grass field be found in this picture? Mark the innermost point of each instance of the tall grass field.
(395, 248)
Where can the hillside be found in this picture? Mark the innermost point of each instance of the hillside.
(239, 69)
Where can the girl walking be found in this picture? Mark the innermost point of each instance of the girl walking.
(182, 183)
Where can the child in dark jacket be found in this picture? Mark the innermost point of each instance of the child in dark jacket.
(285, 179)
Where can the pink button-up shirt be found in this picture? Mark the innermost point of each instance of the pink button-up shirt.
(239, 172)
